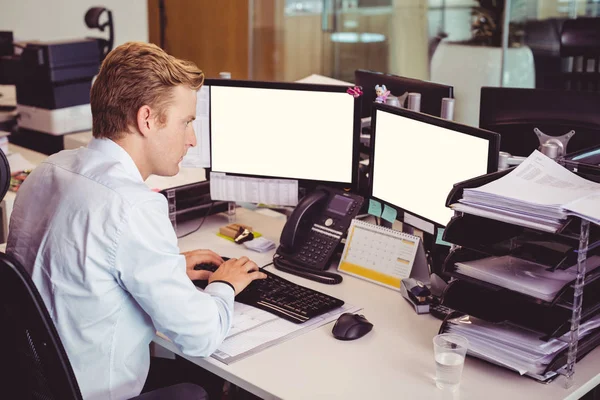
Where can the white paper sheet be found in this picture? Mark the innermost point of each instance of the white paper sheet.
(199, 156)
(255, 330)
(323, 80)
(539, 180)
(539, 193)
(523, 276)
(511, 346)
(281, 192)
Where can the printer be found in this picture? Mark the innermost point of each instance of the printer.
(53, 81)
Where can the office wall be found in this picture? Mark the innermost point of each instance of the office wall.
(63, 19)
(211, 33)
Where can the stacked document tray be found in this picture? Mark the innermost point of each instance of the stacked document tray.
(514, 283)
(518, 349)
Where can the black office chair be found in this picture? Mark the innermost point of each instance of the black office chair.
(580, 42)
(35, 364)
(514, 113)
(543, 38)
(92, 20)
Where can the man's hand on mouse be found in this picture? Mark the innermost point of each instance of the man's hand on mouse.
(240, 272)
(195, 257)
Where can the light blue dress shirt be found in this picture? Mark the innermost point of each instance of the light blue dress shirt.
(101, 250)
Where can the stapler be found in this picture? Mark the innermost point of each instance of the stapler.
(416, 293)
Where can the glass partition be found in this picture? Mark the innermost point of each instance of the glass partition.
(291, 39)
(464, 43)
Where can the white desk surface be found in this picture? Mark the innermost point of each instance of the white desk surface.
(395, 360)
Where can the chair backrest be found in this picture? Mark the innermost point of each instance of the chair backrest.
(35, 365)
(543, 38)
(580, 42)
(514, 113)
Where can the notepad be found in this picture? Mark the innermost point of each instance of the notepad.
(378, 254)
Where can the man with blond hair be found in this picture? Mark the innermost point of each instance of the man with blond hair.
(98, 242)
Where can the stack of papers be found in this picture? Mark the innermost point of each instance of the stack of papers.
(512, 347)
(260, 244)
(539, 194)
(254, 330)
(523, 276)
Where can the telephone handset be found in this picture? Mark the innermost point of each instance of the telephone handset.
(312, 233)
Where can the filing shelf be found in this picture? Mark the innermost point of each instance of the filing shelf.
(490, 237)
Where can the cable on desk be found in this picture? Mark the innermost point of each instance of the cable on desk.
(201, 222)
(328, 278)
(266, 265)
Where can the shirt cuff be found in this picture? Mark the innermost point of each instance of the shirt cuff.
(220, 288)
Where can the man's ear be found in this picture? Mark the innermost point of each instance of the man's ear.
(145, 120)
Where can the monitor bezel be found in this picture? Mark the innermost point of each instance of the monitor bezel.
(492, 137)
(309, 87)
(427, 89)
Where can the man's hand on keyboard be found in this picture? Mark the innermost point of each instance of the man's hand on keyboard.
(195, 257)
(240, 272)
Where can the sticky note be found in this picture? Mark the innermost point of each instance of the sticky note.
(389, 213)
(439, 240)
(374, 208)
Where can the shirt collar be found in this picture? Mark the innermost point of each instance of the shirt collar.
(115, 151)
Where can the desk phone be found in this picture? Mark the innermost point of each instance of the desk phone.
(312, 233)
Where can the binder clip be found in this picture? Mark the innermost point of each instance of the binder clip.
(243, 235)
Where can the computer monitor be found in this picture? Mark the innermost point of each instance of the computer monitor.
(416, 159)
(431, 93)
(285, 130)
(514, 113)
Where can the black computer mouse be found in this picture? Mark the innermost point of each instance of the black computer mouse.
(351, 327)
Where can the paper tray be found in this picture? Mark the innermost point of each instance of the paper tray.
(563, 297)
(497, 238)
(585, 346)
(503, 306)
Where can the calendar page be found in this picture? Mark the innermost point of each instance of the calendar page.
(378, 254)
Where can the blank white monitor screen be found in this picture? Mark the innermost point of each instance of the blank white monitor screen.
(416, 164)
(295, 134)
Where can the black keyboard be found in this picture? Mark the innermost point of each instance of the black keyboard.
(281, 297)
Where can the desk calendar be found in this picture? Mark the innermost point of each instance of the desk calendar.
(378, 254)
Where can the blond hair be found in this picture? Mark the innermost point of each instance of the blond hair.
(133, 75)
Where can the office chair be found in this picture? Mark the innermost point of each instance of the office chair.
(543, 38)
(514, 113)
(34, 358)
(580, 41)
(92, 20)
(34, 362)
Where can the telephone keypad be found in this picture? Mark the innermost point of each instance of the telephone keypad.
(316, 249)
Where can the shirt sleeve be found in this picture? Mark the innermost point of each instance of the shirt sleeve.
(149, 266)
